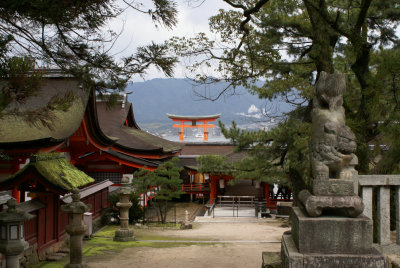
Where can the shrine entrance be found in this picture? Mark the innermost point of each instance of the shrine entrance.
(193, 122)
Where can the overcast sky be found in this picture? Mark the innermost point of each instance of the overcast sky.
(138, 29)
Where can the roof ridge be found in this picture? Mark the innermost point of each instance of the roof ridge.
(45, 157)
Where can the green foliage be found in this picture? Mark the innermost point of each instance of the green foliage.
(271, 156)
(287, 44)
(70, 35)
(164, 182)
(214, 164)
(19, 80)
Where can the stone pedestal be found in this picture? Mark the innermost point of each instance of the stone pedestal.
(292, 258)
(329, 241)
(331, 234)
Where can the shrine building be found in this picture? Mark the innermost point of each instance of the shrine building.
(199, 185)
(96, 143)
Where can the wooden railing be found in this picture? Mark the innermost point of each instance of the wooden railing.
(239, 201)
(195, 187)
(235, 202)
(211, 209)
(272, 201)
(381, 184)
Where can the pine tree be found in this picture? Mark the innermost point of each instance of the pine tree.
(164, 182)
(70, 35)
(315, 36)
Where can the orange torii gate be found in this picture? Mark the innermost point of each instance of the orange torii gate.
(205, 119)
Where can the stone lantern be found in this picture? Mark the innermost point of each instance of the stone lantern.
(76, 228)
(12, 242)
(124, 233)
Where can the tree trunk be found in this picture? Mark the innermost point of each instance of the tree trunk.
(165, 208)
(324, 38)
(360, 68)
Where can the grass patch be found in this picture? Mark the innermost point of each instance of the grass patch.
(168, 224)
(108, 230)
(103, 245)
(103, 242)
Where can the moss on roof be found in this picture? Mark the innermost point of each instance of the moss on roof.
(166, 145)
(64, 122)
(56, 169)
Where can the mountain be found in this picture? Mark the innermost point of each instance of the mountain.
(153, 99)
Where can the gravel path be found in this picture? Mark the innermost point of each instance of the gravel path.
(239, 245)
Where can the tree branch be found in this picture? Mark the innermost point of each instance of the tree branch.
(365, 4)
(247, 12)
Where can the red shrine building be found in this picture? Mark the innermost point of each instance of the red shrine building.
(91, 146)
(213, 186)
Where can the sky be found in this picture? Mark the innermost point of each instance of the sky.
(139, 30)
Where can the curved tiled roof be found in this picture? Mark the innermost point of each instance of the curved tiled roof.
(112, 121)
(63, 123)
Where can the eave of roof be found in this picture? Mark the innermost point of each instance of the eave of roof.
(136, 160)
(88, 190)
(31, 205)
(146, 141)
(131, 138)
(4, 197)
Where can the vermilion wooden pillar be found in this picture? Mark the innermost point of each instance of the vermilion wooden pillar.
(193, 123)
(213, 189)
(182, 132)
(16, 195)
(205, 137)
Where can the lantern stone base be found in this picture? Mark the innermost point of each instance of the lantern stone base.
(124, 235)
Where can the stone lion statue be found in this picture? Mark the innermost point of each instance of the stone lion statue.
(333, 143)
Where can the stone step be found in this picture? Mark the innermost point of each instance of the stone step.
(271, 260)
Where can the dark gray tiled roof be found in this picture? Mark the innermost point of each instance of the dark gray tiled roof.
(16, 129)
(30, 205)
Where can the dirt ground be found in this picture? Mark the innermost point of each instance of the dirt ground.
(242, 246)
(177, 211)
